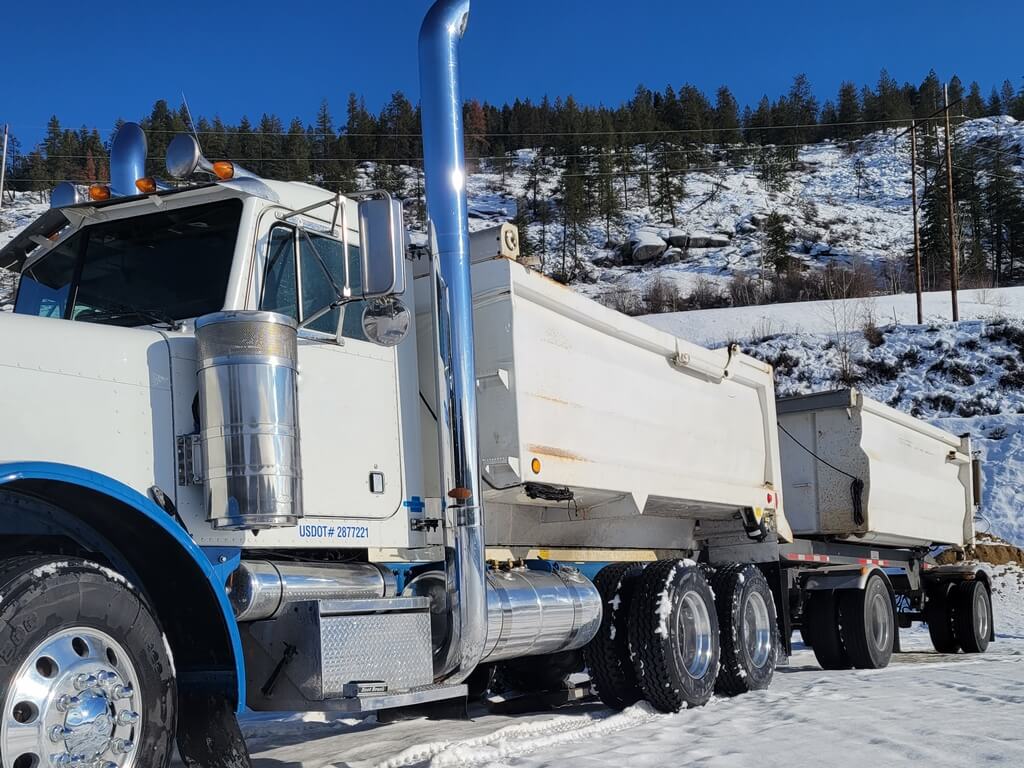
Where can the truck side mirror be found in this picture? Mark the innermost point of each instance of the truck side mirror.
(381, 248)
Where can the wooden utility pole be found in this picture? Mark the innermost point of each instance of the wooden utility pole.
(917, 235)
(954, 262)
(3, 166)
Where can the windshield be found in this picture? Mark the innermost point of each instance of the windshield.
(156, 268)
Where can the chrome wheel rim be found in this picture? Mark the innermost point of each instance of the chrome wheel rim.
(981, 611)
(695, 648)
(881, 620)
(757, 630)
(75, 702)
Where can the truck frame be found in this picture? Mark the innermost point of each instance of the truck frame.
(260, 454)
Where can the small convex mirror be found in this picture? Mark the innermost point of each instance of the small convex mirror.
(386, 321)
(381, 247)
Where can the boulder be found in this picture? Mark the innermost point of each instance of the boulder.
(707, 240)
(674, 255)
(645, 246)
(675, 237)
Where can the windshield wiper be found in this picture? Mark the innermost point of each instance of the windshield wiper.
(114, 310)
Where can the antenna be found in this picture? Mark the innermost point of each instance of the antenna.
(191, 122)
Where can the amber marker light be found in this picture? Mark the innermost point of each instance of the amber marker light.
(99, 192)
(224, 169)
(535, 466)
(146, 185)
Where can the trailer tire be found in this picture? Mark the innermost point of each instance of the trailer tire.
(821, 627)
(868, 624)
(607, 655)
(939, 616)
(972, 614)
(80, 648)
(673, 636)
(747, 627)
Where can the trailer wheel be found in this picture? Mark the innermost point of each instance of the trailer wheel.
(938, 615)
(673, 636)
(607, 655)
(747, 627)
(868, 624)
(821, 628)
(85, 676)
(972, 613)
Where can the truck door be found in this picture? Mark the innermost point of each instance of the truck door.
(348, 389)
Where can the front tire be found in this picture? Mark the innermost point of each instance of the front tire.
(84, 669)
(673, 636)
(748, 629)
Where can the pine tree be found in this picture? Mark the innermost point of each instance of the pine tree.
(849, 111)
(776, 242)
(296, 152)
(974, 104)
(726, 117)
(608, 203)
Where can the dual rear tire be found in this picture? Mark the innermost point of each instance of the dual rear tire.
(674, 633)
(959, 616)
(853, 627)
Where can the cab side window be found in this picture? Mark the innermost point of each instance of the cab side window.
(300, 287)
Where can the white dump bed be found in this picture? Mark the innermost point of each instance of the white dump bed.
(634, 421)
(918, 487)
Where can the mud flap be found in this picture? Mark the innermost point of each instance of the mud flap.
(208, 733)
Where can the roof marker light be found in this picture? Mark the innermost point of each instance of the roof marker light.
(99, 192)
(224, 169)
(146, 185)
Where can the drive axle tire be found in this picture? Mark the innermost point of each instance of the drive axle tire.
(972, 614)
(673, 636)
(868, 624)
(748, 629)
(821, 627)
(939, 616)
(85, 676)
(607, 655)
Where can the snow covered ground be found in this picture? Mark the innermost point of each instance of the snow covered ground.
(925, 709)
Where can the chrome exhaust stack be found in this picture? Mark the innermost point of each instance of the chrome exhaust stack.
(452, 298)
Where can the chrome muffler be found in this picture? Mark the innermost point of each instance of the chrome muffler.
(261, 589)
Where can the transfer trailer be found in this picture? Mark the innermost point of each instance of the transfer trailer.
(258, 454)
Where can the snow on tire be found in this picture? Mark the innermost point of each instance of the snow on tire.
(673, 635)
(748, 629)
(607, 655)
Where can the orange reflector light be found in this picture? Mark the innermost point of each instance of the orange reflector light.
(461, 494)
(224, 169)
(146, 185)
(535, 466)
(99, 192)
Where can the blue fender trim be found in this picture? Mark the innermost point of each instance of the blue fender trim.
(64, 473)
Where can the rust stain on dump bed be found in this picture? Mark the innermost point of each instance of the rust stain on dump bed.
(555, 453)
(550, 399)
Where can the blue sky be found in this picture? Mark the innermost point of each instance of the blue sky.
(91, 63)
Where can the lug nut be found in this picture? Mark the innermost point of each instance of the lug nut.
(85, 682)
(122, 746)
(59, 733)
(66, 702)
(125, 691)
(106, 677)
(127, 717)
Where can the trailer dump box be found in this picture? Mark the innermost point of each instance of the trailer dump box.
(631, 420)
(918, 486)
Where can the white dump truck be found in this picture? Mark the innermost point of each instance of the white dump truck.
(258, 454)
